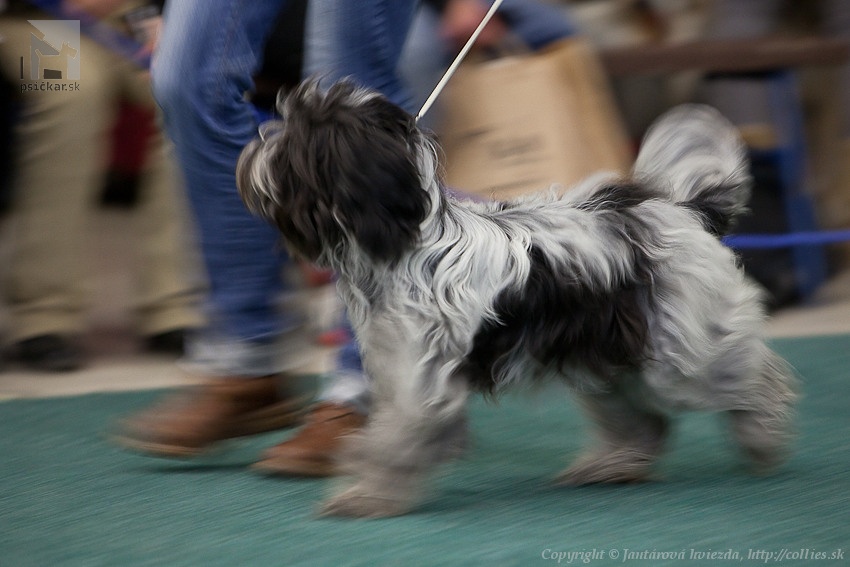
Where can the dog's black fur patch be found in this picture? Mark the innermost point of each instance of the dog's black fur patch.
(618, 197)
(712, 207)
(560, 318)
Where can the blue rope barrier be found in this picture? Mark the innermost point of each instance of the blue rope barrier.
(787, 240)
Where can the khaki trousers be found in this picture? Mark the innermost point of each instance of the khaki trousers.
(61, 150)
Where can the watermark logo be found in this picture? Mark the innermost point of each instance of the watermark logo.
(54, 56)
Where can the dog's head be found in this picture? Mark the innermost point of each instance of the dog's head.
(340, 168)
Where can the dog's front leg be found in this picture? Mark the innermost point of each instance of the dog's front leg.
(414, 426)
(390, 462)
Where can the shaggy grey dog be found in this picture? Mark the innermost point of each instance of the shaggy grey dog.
(619, 287)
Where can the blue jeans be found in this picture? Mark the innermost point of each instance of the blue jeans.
(366, 46)
(205, 61)
(362, 40)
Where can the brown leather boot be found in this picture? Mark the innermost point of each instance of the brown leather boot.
(188, 422)
(312, 451)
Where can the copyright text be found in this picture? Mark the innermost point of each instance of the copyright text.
(626, 555)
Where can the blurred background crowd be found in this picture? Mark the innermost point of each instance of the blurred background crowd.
(69, 158)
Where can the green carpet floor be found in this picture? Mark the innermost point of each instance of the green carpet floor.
(67, 497)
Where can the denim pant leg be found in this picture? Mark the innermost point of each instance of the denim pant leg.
(424, 59)
(362, 41)
(206, 56)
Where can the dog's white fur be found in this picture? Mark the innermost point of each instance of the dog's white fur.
(619, 288)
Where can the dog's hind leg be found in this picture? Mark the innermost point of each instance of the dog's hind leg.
(630, 440)
(762, 424)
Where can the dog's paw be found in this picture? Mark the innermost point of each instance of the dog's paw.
(765, 461)
(356, 503)
(616, 467)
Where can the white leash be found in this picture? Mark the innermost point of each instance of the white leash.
(458, 60)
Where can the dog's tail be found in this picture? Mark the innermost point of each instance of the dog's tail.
(697, 154)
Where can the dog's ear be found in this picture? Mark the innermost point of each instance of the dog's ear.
(365, 148)
(379, 198)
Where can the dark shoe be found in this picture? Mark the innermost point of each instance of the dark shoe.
(169, 342)
(187, 423)
(313, 450)
(53, 353)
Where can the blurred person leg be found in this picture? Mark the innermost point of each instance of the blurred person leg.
(341, 409)
(206, 58)
(60, 152)
(169, 278)
(362, 41)
(423, 60)
(359, 40)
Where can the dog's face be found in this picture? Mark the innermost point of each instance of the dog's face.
(338, 169)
